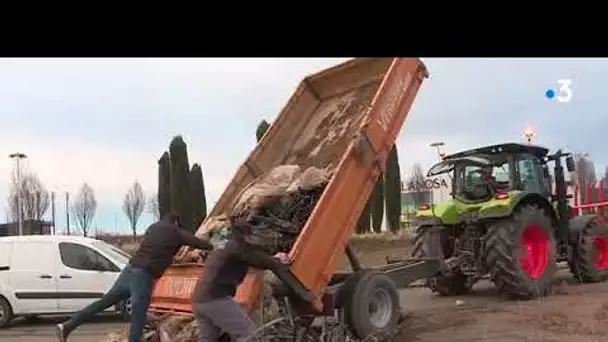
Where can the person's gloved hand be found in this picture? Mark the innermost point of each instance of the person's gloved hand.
(283, 258)
(202, 255)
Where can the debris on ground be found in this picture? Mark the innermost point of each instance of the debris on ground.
(114, 337)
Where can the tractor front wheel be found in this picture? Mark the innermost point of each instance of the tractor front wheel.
(520, 254)
(589, 261)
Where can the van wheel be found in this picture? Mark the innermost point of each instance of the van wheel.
(125, 310)
(6, 313)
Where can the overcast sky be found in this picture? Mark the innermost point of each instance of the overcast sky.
(107, 121)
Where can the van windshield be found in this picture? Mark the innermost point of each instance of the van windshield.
(120, 255)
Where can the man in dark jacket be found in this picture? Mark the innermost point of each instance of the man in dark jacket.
(225, 269)
(161, 241)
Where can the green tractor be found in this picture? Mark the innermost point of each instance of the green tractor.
(505, 223)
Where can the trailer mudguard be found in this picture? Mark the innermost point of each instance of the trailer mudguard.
(520, 198)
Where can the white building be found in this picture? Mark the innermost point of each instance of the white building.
(431, 190)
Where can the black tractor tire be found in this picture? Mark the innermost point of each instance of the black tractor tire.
(514, 277)
(371, 305)
(6, 313)
(589, 259)
(428, 246)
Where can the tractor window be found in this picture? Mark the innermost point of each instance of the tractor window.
(529, 171)
(477, 183)
(501, 173)
(473, 175)
(470, 183)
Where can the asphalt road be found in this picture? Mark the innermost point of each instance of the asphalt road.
(43, 330)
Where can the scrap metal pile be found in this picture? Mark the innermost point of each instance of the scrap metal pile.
(277, 206)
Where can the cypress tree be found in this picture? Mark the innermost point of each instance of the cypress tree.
(261, 129)
(377, 205)
(363, 225)
(197, 190)
(392, 191)
(164, 184)
(180, 189)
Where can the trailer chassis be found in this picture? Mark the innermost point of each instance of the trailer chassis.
(299, 322)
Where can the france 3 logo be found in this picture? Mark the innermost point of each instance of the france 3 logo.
(563, 92)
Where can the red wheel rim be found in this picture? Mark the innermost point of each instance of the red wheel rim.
(535, 251)
(600, 243)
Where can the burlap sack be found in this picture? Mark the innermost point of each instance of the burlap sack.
(212, 224)
(265, 189)
(309, 179)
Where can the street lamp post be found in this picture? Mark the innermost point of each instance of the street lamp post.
(17, 157)
(441, 154)
(437, 146)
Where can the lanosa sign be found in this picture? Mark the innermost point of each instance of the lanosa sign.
(425, 185)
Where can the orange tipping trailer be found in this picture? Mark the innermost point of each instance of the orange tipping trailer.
(345, 118)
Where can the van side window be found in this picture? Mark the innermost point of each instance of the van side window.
(81, 257)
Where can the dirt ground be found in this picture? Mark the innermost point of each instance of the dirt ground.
(573, 313)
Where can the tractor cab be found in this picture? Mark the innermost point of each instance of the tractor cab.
(489, 172)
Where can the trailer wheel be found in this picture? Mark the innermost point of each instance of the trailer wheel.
(589, 262)
(371, 304)
(429, 243)
(520, 253)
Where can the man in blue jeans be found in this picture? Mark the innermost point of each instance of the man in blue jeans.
(161, 241)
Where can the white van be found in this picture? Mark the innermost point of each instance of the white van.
(45, 274)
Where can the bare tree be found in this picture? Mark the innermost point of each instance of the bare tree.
(416, 184)
(134, 204)
(84, 208)
(153, 207)
(35, 198)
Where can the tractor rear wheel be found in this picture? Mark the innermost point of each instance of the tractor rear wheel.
(589, 262)
(520, 253)
(433, 242)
